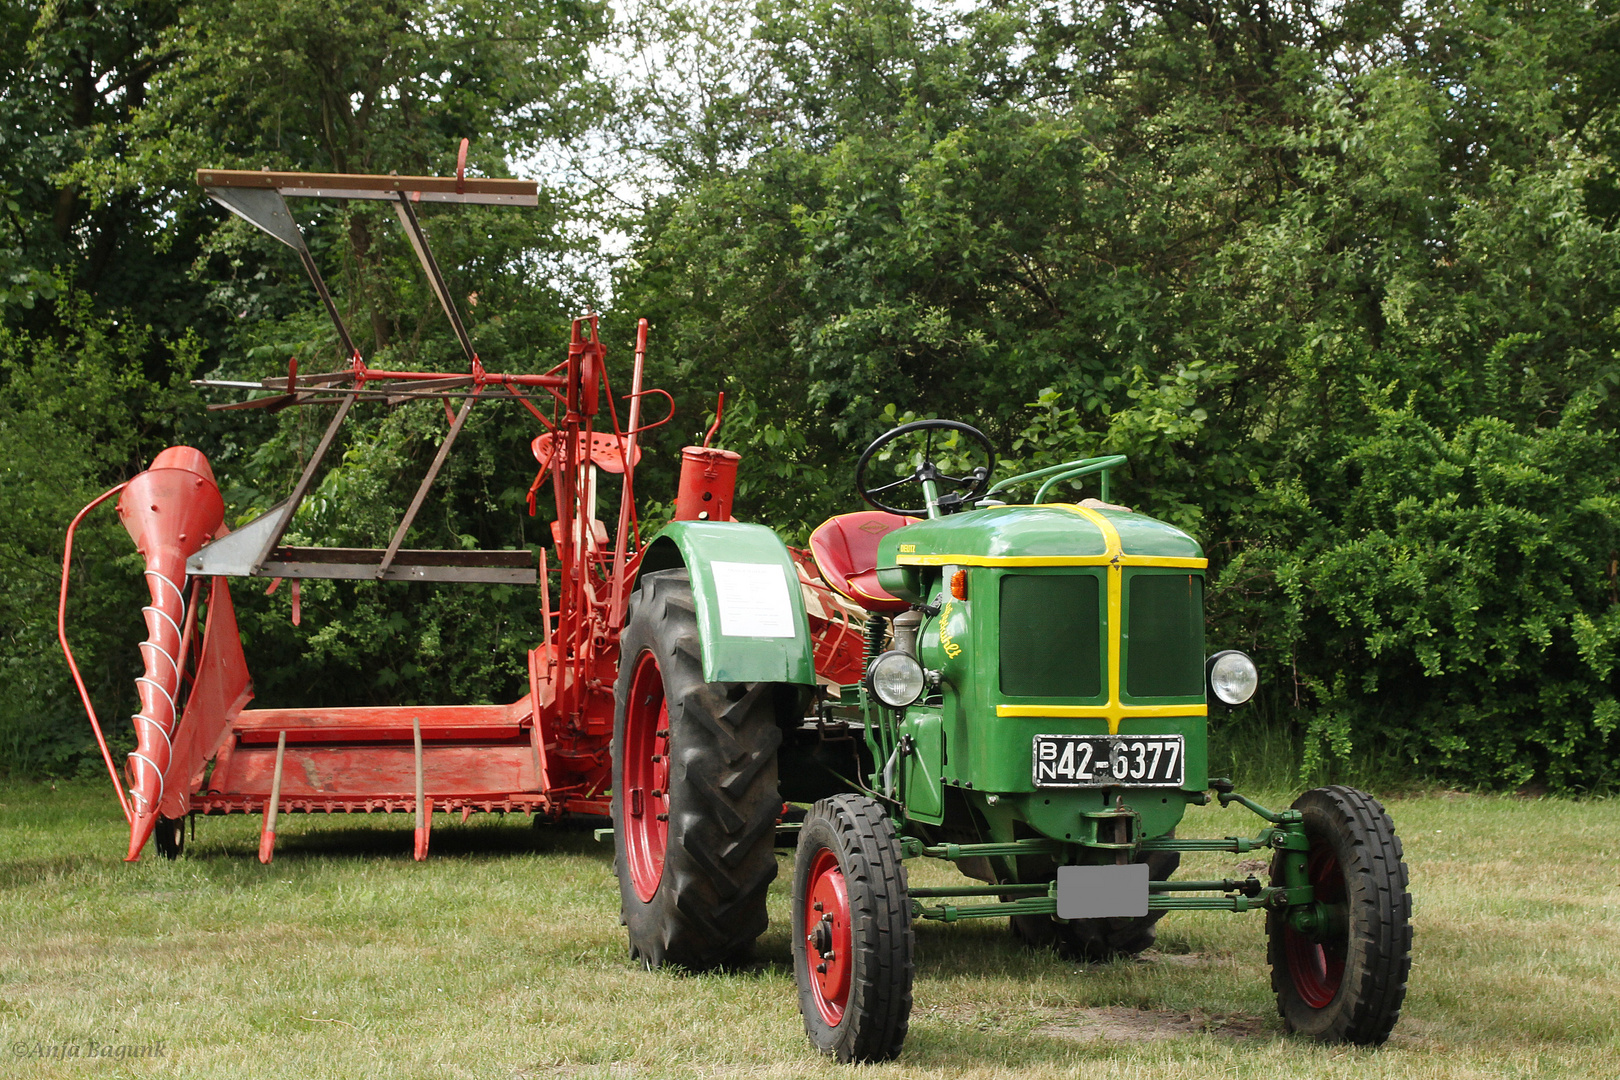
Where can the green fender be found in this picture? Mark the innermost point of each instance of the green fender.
(750, 613)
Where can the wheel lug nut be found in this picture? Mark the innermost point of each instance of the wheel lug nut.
(817, 905)
(663, 817)
(821, 969)
(657, 758)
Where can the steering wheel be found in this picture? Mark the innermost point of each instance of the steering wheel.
(961, 489)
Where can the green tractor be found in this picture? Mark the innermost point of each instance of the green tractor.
(1027, 698)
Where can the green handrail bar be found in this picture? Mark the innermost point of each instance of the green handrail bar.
(1068, 470)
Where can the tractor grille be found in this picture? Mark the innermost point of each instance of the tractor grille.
(1051, 636)
(1164, 647)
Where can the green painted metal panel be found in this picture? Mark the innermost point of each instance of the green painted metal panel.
(1142, 535)
(1018, 637)
(997, 532)
(924, 798)
(750, 612)
(906, 582)
(993, 753)
(1033, 532)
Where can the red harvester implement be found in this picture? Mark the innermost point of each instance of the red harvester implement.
(546, 753)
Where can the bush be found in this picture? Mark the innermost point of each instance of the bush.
(1450, 598)
(77, 414)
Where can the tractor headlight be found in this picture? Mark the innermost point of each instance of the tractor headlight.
(896, 679)
(1232, 677)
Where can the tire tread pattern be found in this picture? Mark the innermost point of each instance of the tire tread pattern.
(878, 1013)
(1379, 959)
(719, 859)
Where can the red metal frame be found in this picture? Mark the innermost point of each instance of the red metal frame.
(73, 666)
(546, 753)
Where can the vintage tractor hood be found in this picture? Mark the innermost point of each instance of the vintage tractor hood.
(1052, 534)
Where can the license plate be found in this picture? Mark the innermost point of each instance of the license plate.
(1109, 761)
(1102, 892)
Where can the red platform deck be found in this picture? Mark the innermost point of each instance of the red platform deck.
(358, 760)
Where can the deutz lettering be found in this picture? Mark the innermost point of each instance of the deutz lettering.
(952, 649)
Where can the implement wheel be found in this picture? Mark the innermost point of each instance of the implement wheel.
(694, 782)
(852, 940)
(1345, 979)
(170, 836)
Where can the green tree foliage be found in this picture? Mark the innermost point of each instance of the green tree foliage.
(74, 69)
(120, 280)
(1340, 281)
(75, 409)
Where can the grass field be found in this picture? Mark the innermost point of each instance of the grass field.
(502, 956)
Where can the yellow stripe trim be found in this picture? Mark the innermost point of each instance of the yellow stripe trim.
(1052, 560)
(1112, 713)
(1104, 526)
(1002, 560)
(1116, 626)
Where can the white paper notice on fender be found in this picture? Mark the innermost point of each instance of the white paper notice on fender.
(753, 599)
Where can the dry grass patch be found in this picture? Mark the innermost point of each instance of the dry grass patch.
(1118, 1024)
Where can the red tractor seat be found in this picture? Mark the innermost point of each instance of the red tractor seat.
(845, 549)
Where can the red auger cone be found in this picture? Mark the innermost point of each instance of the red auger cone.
(171, 511)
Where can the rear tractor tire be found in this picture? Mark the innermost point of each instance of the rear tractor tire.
(694, 789)
(852, 937)
(1346, 981)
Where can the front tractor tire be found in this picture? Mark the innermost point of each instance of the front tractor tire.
(852, 937)
(694, 789)
(1345, 979)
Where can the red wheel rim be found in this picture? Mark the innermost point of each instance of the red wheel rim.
(1317, 966)
(826, 936)
(644, 803)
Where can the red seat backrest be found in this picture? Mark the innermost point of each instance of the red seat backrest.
(845, 548)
